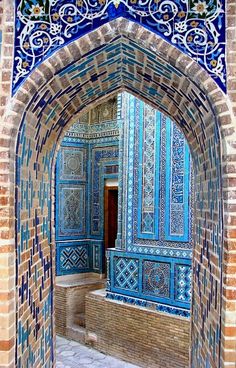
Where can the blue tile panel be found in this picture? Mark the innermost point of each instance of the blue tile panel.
(71, 192)
(177, 199)
(71, 210)
(156, 278)
(126, 273)
(148, 172)
(163, 280)
(159, 200)
(196, 28)
(183, 279)
(155, 263)
(86, 158)
(148, 304)
(73, 257)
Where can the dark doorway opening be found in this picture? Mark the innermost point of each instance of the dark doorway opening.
(110, 218)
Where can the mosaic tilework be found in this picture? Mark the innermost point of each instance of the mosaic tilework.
(35, 148)
(183, 277)
(149, 159)
(73, 164)
(71, 192)
(177, 199)
(156, 278)
(154, 147)
(97, 256)
(166, 211)
(147, 304)
(126, 273)
(75, 200)
(196, 27)
(71, 258)
(160, 280)
(71, 209)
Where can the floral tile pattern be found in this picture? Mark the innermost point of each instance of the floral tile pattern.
(196, 27)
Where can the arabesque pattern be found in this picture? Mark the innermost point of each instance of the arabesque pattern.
(196, 27)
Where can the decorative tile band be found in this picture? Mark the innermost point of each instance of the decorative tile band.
(177, 185)
(196, 27)
(147, 304)
(149, 173)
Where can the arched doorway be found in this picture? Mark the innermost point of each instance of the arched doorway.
(176, 94)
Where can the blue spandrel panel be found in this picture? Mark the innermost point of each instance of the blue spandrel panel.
(177, 190)
(43, 27)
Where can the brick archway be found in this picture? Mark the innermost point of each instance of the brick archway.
(73, 80)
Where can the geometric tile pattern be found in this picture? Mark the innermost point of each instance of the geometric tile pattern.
(126, 273)
(160, 307)
(71, 192)
(71, 209)
(149, 159)
(164, 281)
(183, 279)
(97, 254)
(72, 166)
(73, 258)
(156, 278)
(196, 27)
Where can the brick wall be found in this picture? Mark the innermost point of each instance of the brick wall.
(69, 299)
(147, 338)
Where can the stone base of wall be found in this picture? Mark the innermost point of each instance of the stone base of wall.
(144, 337)
(70, 292)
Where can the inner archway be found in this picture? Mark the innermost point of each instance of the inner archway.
(150, 266)
(44, 113)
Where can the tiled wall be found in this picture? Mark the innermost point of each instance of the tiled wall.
(87, 157)
(156, 217)
(156, 162)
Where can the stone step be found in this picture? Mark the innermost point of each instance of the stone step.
(76, 333)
